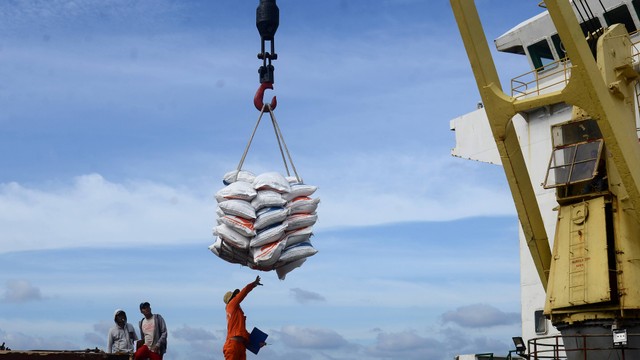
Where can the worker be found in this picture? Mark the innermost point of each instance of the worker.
(237, 340)
(121, 335)
(153, 333)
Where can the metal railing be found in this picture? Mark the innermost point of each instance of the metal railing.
(553, 348)
(553, 76)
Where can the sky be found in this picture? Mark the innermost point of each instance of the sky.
(119, 119)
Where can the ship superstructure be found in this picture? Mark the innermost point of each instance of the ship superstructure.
(566, 135)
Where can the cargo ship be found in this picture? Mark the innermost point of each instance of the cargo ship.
(566, 135)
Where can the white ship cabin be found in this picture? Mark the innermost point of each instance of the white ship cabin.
(538, 40)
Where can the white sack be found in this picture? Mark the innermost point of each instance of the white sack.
(229, 253)
(298, 221)
(284, 269)
(238, 208)
(294, 180)
(296, 252)
(239, 190)
(235, 175)
(241, 225)
(303, 205)
(298, 236)
(267, 198)
(297, 190)
(232, 237)
(269, 234)
(271, 181)
(266, 255)
(269, 216)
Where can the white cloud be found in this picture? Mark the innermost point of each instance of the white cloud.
(388, 187)
(20, 291)
(95, 212)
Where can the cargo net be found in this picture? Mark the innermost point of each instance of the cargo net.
(265, 221)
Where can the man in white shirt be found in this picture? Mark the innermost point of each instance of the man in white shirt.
(153, 331)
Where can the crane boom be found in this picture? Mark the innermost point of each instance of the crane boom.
(500, 110)
(591, 277)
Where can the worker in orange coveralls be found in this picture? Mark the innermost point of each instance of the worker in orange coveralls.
(237, 335)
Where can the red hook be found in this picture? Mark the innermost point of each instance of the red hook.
(258, 99)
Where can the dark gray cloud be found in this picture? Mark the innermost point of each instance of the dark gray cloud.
(304, 296)
(479, 316)
(21, 291)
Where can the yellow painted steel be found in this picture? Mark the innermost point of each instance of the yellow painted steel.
(500, 110)
(602, 89)
(580, 274)
(595, 269)
(627, 249)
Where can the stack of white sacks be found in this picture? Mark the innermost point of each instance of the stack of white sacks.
(265, 221)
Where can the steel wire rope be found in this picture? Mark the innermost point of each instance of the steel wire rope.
(279, 138)
(276, 127)
(246, 149)
(592, 31)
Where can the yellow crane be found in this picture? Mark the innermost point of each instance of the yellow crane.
(592, 275)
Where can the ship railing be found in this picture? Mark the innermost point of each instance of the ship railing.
(555, 75)
(551, 77)
(553, 348)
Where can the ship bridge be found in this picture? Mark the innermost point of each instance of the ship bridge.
(539, 41)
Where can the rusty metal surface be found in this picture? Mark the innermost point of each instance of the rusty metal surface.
(60, 355)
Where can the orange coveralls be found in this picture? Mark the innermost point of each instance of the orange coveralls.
(237, 334)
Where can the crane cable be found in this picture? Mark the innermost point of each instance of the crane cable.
(281, 143)
(267, 22)
(592, 27)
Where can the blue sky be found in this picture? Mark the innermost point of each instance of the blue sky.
(119, 119)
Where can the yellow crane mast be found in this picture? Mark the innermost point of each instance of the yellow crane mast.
(592, 275)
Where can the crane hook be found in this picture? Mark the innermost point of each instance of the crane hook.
(258, 98)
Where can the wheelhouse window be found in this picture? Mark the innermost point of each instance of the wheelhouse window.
(590, 26)
(540, 322)
(576, 154)
(557, 44)
(636, 7)
(620, 15)
(540, 54)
